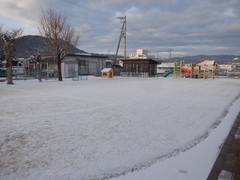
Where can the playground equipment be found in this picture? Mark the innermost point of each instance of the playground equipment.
(168, 73)
(203, 70)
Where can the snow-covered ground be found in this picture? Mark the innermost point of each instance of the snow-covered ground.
(105, 128)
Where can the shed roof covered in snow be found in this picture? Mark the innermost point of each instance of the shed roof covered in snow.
(106, 69)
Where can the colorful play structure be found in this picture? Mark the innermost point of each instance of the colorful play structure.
(204, 69)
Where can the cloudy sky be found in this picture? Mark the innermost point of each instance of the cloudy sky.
(188, 27)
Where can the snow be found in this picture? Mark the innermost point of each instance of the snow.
(225, 175)
(105, 128)
(106, 69)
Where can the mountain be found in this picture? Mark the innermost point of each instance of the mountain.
(220, 59)
(30, 45)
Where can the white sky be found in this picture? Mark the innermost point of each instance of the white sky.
(189, 27)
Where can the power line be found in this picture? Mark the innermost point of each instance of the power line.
(86, 6)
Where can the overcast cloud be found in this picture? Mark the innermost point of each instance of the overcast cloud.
(188, 27)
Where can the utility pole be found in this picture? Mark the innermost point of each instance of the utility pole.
(123, 34)
(170, 53)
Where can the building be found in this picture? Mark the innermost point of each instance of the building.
(222, 69)
(236, 67)
(235, 71)
(73, 65)
(83, 64)
(139, 67)
(48, 67)
(141, 53)
(163, 68)
(109, 63)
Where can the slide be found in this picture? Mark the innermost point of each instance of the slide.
(168, 73)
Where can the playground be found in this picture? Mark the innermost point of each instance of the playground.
(203, 70)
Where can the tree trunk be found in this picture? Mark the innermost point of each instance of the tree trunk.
(39, 69)
(9, 50)
(39, 72)
(59, 68)
(9, 70)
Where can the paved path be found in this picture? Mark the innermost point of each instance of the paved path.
(229, 158)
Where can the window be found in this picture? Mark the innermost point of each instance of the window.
(82, 63)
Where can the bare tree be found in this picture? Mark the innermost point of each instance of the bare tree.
(60, 37)
(1, 42)
(7, 42)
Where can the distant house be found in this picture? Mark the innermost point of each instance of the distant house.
(222, 69)
(235, 71)
(109, 63)
(139, 67)
(141, 53)
(48, 67)
(83, 64)
(163, 68)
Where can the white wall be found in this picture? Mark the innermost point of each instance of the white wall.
(69, 70)
(95, 64)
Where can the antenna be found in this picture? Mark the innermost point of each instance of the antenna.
(123, 34)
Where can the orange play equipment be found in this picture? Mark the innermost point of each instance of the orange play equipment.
(186, 69)
(200, 70)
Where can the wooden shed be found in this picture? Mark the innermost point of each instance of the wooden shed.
(139, 67)
(107, 73)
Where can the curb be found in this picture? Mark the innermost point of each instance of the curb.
(219, 163)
